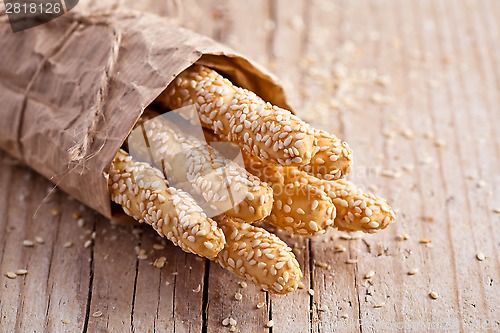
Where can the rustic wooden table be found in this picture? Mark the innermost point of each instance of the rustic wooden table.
(412, 86)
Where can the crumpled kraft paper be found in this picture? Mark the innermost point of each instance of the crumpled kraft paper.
(71, 90)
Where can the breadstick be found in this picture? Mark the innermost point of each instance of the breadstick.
(144, 194)
(299, 207)
(240, 116)
(356, 210)
(333, 158)
(226, 187)
(259, 256)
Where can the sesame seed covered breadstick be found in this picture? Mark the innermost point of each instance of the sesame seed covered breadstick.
(227, 187)
(333, 158)
(356, 210)
(144, 194)
(299, 206)
(240, 116)
(259, 256)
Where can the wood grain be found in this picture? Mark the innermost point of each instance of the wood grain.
(413, 87)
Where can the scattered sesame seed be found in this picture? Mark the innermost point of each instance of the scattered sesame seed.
(80, 223)
(260, 305)
(340, 248)
(440, 143)
(323, 308)
(28, 243)
(232, 328)
(232, 321)
(76, 215)
(198, 289)
(160, 262)
(425, 241)
(378, 305)
(21, 272)
(158, 247)
(270, 324)
(311, 292)
(369, 275)
(323, 265)
(480, 256)
(433, 295)
(238, 296)
(413, 271)
(225, 322)
(404, 236)
(142, 257)
(496, 210)
(66, 321)
(54, 211)
(407, 133)
(344, 316)
(87, 243)
(11, 275)
(351, 261)
(243, 284)
(68, 244)
(97, 314)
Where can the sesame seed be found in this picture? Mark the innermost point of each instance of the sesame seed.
(413, 271)
(433, 295)
(270, 324)
(260, 305)
(311, 292)
(340, 248)
(480, 256)
(11, 275)
(378, 305)
(39, 240)
(238, 296)
(97, 314)
(68, 245)
(225, 322)
(425, 241)
(345, 316)
(351, 261)
(404, 236)
(369, 275)
(243, 284)
(496, 210)
(21, 272)
(54, 211)
(142, 257)
(28, 243)
(232, 321)
(87, 244)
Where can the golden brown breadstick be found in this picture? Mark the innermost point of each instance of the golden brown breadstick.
(356, 210)
(333, 158)
(240, 116)
(144, 194)
(227, 187)
(259, 256)
(299, 207)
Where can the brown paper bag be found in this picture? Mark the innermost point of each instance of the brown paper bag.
(71, 90)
